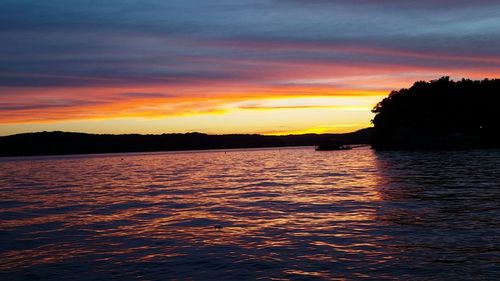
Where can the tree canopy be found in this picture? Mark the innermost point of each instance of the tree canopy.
(439, 114)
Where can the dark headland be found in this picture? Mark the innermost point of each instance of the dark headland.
(440, 114)
(55, 143)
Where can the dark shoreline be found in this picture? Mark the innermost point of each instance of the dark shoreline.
(65, 143)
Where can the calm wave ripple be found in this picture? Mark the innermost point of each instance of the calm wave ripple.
(271, 214)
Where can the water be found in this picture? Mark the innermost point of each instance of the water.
(272, 214)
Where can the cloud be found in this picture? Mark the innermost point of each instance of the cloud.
(146, 95)
(43, 106)
(56, 43)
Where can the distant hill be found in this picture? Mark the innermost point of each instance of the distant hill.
(440, 114)
(53, 143)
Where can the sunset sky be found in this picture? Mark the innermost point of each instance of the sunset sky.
(229, 66)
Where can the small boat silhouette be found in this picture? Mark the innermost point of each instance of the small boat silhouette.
(332, 146)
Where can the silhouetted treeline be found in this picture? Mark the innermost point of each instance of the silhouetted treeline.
(52, 143)
(439, 114)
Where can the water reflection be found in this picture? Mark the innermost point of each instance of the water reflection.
(443, 209)
(249, 214)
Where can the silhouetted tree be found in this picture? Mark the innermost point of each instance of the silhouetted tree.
(439, 114)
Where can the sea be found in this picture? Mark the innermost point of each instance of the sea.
(252, 214)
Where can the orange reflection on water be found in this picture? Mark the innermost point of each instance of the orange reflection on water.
(257, 206)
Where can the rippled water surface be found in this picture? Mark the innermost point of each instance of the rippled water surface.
(272, 214)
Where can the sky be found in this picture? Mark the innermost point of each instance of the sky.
(226, 66)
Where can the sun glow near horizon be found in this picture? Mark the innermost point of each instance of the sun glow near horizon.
(270, 116)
